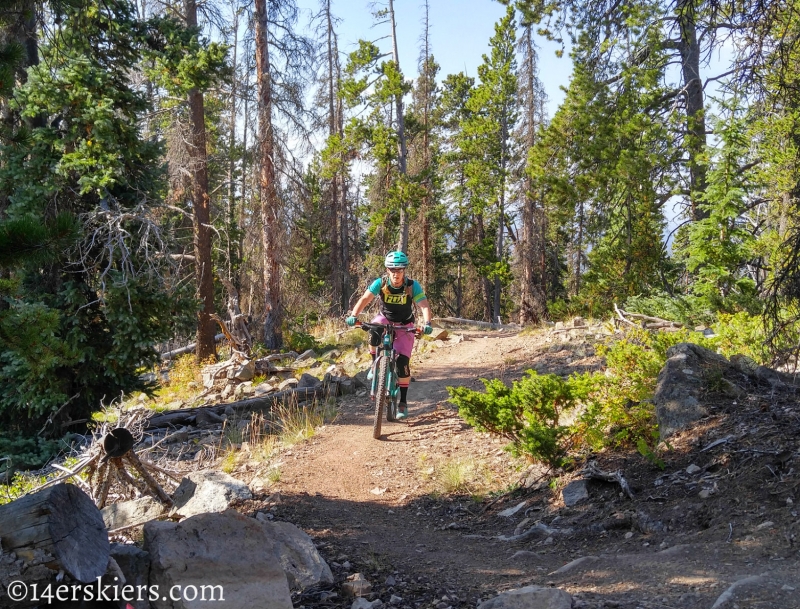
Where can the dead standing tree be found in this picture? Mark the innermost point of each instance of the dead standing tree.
(201, 204)
(266, 182)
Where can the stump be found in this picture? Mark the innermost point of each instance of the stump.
(62, 521)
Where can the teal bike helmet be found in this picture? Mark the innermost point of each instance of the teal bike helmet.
(395, 260)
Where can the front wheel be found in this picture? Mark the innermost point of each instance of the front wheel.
(380, 396)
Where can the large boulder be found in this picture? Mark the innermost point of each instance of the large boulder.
(680, 385)
(131, 513)
(301, 562)
(216, 554)
(207, 491)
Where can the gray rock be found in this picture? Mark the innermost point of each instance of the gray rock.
(575, 492)
(302, 563)
(680, 385)
(263, 389)
(743, 588)
(306, 355)
(246, 371)
(523, 555)
(761, 373)
(731, 389)
(508, 512)
(530, 597)
(131, 513)
(206, 418)
(308, 380)
(135, 566)
(242, 389)
(288, 384)
(207, 491)
(357, 585)
(362, 603)
(228, 551)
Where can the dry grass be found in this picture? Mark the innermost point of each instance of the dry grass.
(461, 475)
(185, 379)
(294, 423)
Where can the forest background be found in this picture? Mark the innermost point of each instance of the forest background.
(164, 164)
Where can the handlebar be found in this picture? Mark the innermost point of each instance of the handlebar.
(370, 326)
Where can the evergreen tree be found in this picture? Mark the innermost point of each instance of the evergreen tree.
(79, 326)
(487, 139)
(722, 244)
(459, 275)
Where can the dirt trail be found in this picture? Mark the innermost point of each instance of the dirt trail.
(375, 507)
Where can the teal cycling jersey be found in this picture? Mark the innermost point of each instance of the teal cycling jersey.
(397, 304)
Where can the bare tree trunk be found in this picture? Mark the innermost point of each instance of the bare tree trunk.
(266, 177)
(486, 289)
(243, 206)
(345, 209)
(402, 151)
(231, 210)
(578, 253)
(532, 291)
(201, 204)
(427, 254)
(501, 224)
(689, 49)
(337, 271)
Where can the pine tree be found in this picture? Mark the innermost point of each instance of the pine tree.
(82, 322)
(486, 138)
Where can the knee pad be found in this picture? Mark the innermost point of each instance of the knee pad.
(403, 366)
(374, 338)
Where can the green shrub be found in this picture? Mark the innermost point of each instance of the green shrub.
(551, 419)
(300, 341)
(688, 310)
(529, 413)
(742, 333)
(22, 453)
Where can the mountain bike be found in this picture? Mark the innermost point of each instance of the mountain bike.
(385, 389)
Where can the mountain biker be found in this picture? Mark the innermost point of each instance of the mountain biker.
(398, 294)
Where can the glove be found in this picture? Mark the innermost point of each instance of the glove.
(351, 320)
(427, 329)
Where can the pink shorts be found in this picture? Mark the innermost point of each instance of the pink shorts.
(403, 341)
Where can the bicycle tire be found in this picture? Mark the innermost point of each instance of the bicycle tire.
(380, 396)
(391, 402)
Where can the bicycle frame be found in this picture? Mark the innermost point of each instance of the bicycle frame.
(385, 389)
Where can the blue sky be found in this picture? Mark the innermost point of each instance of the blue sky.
(459, 35)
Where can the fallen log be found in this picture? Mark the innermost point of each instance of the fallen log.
(61, 521)
(185, 416)
(187, 349)
(477, 324)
